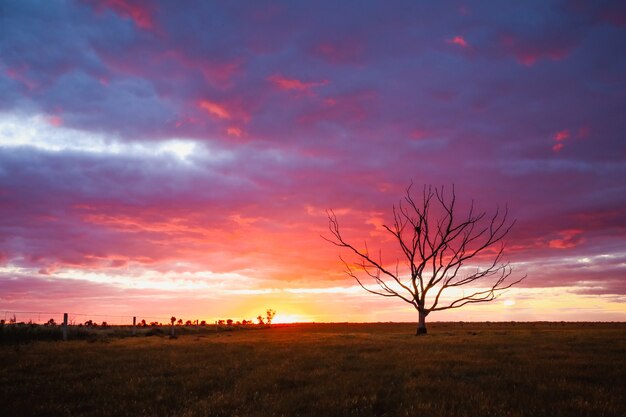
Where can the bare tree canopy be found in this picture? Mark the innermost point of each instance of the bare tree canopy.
(436, 242)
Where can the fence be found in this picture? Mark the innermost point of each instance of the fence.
(42, 317)
(73, 319)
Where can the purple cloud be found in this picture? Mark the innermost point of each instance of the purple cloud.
(213, 136)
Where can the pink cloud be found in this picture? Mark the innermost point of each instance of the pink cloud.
(529, 52)
(458, 40)
(184, 121)
(55, 121)
(568, 238)
(234, 131)
(285, 83)
(561, 135)
(419, 134)
(215, 109)
(140, 14)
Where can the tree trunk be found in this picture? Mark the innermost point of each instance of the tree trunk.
(421, 327)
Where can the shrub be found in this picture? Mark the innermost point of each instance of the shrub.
(155, 331)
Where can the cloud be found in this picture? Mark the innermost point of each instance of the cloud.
(140, 13)
(153, 137)
(285, 83)
(214, 109)
(567, 239)
(561, 135)
(458, 40)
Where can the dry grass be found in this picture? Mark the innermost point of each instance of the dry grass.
(536, 369)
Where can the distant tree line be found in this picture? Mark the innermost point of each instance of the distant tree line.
(261, 320)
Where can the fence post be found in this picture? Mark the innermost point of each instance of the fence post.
(64, 327)
(134, 325)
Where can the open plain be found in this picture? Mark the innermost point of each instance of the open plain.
(458, 369)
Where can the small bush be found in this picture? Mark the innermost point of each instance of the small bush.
(26, 333)
(155, 331)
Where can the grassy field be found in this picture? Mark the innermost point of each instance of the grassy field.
(458, 369)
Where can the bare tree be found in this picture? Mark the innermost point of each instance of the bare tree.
(436, 243)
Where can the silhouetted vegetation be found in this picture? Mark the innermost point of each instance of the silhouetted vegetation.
(14, 332)
(269, 316)
(436, 239)
(30, 332)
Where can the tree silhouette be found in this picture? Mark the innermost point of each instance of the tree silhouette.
(436, 243)
(269, 316)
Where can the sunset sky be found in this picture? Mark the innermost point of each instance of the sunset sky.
(177, 158)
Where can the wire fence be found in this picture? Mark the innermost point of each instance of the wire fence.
(75, 318)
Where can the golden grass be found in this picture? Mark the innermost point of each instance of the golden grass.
(533, 369)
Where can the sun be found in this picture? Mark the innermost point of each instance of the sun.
(282, 318)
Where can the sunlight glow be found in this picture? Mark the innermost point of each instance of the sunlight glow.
(281, 318)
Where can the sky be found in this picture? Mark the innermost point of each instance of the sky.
(162, 158)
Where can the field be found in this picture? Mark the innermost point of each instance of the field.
(458, 369)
